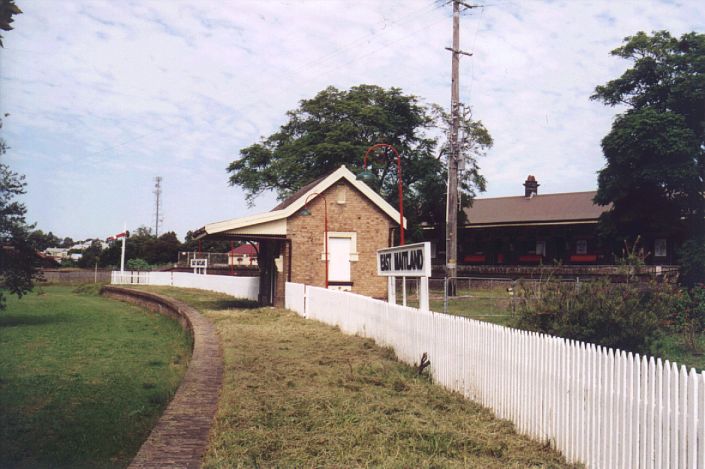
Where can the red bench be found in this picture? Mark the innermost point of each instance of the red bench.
(583, 258)
(475, 259)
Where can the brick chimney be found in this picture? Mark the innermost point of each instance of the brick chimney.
(531, 186)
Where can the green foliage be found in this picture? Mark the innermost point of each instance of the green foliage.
(625, 316)
(91, 255)
(692, 261)
(42, 241)
(19, 263)
(689, 316)
(143, 245)
(137, 264)
(655, 151)
(7, 10)
(337, 127)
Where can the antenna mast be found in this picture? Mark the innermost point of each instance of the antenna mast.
(158, 215)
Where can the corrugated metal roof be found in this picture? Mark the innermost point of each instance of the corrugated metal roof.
(570, 206)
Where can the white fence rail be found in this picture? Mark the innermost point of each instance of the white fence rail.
(240, 287)
(601, 407)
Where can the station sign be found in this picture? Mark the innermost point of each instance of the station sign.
(411, 260)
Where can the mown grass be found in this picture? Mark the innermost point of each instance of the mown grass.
(298, 393)
(83, 379)
(484, 304)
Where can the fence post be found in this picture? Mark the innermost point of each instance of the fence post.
(445, 294)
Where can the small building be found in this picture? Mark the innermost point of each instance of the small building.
(243, 255)
(341, 213)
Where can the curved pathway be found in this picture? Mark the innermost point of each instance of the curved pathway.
(180, 438)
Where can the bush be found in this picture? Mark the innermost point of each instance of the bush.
(625, 316)
(138, 264)
(692, 261)
(689, 316)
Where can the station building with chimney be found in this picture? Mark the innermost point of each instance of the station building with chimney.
(542, 229)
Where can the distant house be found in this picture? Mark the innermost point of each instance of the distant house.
(538, 229)
(58, 254)
(243, 255)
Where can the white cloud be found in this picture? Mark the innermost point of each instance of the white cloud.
(106, 95)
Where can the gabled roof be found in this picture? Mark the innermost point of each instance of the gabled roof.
(244, 249)
(576, 207)
(273, 223)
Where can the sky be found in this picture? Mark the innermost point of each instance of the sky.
(104, 96)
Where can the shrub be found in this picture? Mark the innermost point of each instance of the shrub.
(689, 316)
(625, 316)
(138, 264)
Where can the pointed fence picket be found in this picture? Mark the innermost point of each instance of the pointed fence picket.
(601, 407)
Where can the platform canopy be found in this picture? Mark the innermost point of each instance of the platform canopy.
(273, 224)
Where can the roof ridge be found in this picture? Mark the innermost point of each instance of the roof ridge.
(536, 195)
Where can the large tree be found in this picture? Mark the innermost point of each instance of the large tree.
(655, 150)
(19, 263)
(336, 127)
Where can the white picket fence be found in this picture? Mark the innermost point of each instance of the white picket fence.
(601, 407)
(239, 287)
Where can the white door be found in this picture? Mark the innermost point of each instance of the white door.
(339, 259)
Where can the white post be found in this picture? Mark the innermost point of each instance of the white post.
(122, 258)
(403, 291)
(391, 290)
(423, 294)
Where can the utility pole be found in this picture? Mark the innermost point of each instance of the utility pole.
(158, 218)
(452, 204)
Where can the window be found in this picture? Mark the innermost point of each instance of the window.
(581, 246)
(660, 247)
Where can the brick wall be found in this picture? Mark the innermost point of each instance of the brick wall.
(348, 211)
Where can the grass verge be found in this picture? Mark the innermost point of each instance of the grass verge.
(83, 379)
(297, 393)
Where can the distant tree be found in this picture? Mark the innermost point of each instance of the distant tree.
(91, 255)
(655, 151)
(41, 241)
(142, 244)
(192, 245)
(66, 243)
(164, 250)
(336, 127)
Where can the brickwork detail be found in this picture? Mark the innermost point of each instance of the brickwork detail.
(357, 214)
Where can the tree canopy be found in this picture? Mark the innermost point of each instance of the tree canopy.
(655, 150)
(19, 264)
(336, 127)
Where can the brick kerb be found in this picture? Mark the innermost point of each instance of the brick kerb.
(180, 437)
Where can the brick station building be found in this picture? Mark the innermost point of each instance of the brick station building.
(291, 241)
